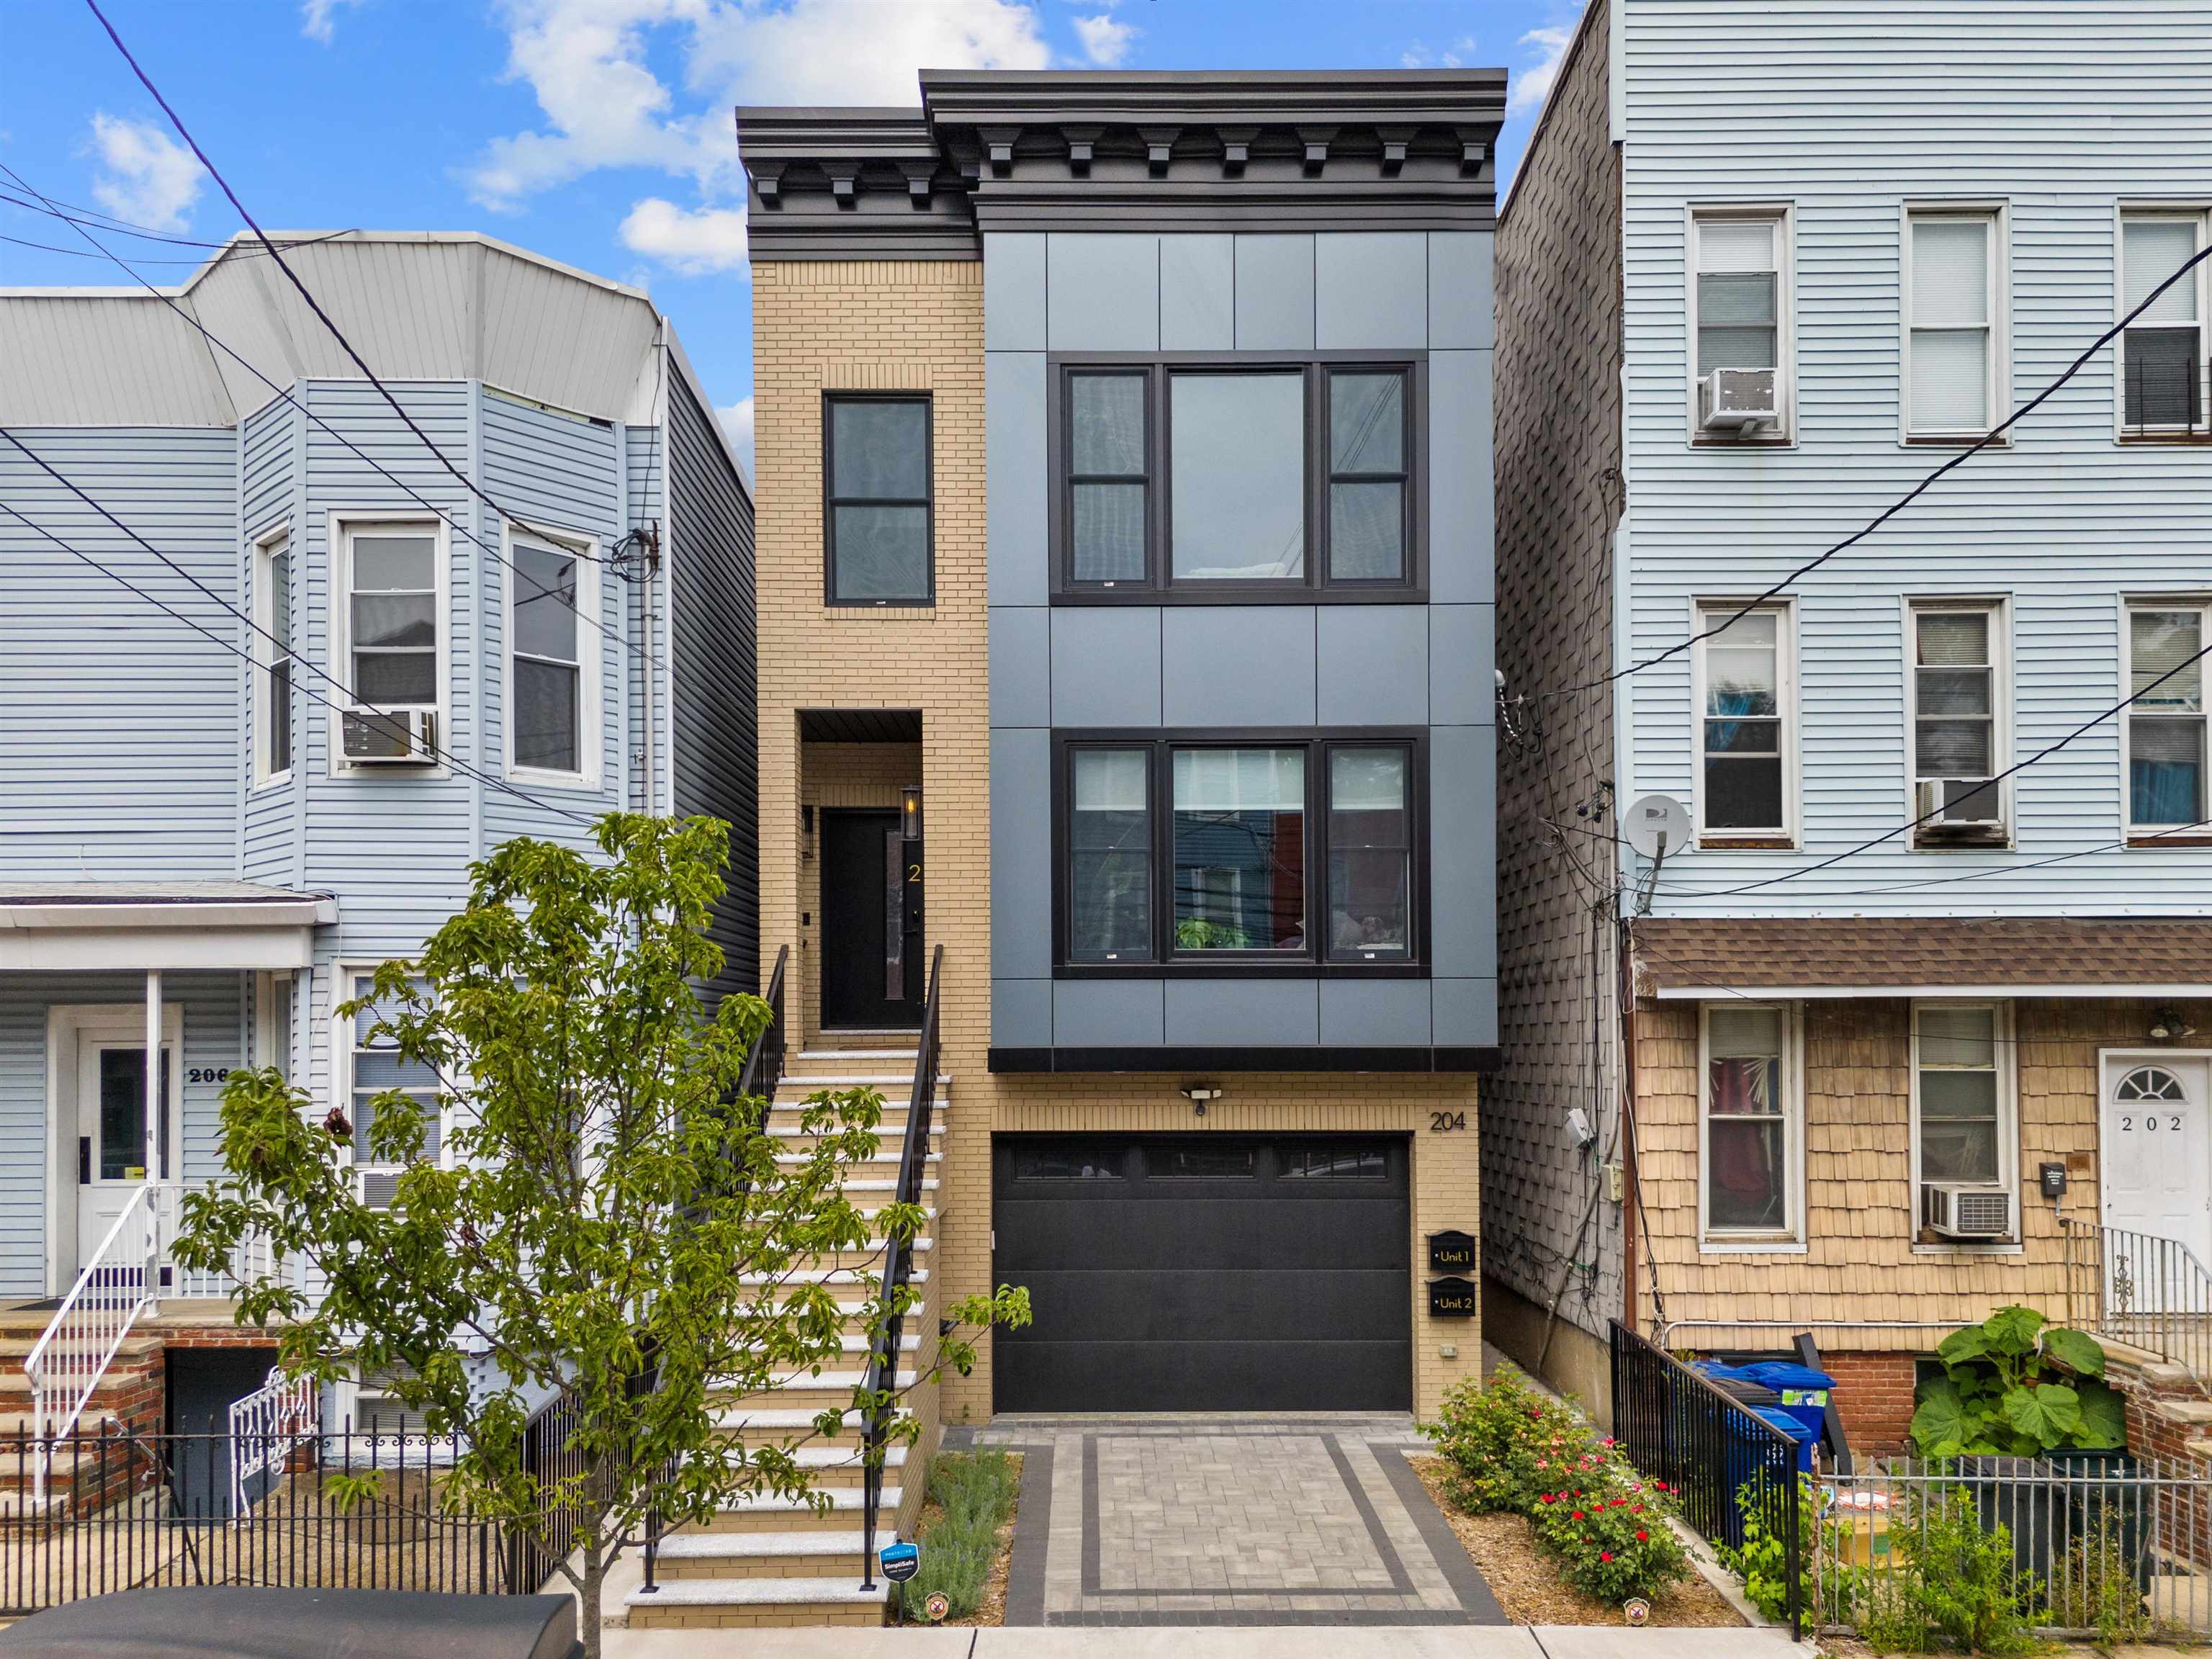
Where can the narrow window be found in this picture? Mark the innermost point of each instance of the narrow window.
(394, 631)
(878, 476)
(272, 604)
(1745, 723)
(1368, 446)
(377, 1068)
(1739, 308)
(1750, 1113)
(1236, 460)
(1204, 1163)
(1959, 1083)
(1109, 487)
(1111, 862)
(2162, 355)
(1954, 315)
(547, 658)
(1240, 849)
(2166, 723)
(1371, 854)
(1956, 726)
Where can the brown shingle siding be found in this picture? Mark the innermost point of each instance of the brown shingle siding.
(1815, 952)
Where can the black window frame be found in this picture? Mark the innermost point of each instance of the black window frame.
(831, 500)
(1158, 585)
(1316, 960)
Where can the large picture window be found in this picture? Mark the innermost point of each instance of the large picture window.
(1278, 851)
(1752, 1143)
(1197, 479)
(878, 506)
(2166, 737)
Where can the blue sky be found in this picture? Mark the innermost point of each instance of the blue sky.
(596, 131)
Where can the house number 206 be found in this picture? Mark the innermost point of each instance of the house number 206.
(2152, 1124)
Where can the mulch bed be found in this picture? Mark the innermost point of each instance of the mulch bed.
(991, 1610)
(1525, 1578)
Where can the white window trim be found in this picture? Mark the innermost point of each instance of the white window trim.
(1785, 312)
(591, 672)
(2139, 836)
(345, 523)
(2008, 1051)
(2000, 736)
(1998, 216)
(1785, 639)
(1790, 1240)
(265, 547)
(344, 989)
(2199, 212)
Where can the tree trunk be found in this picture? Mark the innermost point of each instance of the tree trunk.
(595, 1578)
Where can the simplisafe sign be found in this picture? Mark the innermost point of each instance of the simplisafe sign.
(901, 1560)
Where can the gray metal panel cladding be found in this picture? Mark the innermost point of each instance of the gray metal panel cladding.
(1021, 1013)
(1462, 658)
(1462, 535)
(1371, 665)
(1462, 314)
(1275, 293)
(1102, 293)
(1105, 667)
(1238, 664)
(1462, 848)
(1273, 1013)
(1014, 404)
(1107, 1013)
(1374, 1013)
(1198, 292)
(1021, 852)
(1464, 1012)
(1370, 290)
(1021, 665)
(1014, 292)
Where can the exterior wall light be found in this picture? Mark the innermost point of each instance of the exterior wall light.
(911, 811)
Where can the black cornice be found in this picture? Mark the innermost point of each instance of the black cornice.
(1366, 149)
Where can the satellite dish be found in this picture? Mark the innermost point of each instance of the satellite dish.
(1656, 825)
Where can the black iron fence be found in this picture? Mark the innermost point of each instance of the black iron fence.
(130, 1510)
(1723, 1464)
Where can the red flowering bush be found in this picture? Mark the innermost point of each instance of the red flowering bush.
(1515, 1449)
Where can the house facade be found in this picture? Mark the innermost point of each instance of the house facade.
(1910, 1018)
(280, 660)
(1125, 532)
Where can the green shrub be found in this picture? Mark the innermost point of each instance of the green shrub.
(2017, 1386)
(1953, 1578)
(976, 1491)
(1502, 1439)
(1610, 1531)
(2100, 1589)
(1763, 1564)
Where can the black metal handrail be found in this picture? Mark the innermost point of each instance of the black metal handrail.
(764, 1067)
(1674, 1425)
(882, 1381)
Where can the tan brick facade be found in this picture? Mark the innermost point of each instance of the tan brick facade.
(918, 325)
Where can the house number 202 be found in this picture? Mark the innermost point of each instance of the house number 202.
(2151, 1124)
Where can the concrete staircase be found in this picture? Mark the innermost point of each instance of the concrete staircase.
(128, 1391)
(775, 1562)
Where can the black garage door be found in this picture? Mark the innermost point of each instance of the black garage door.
(1205, 1273)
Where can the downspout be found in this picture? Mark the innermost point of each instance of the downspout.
(1624, 988)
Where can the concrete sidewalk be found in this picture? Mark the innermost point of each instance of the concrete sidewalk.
(1183, 1642)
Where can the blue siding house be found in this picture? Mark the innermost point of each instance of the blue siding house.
(1911, 1019)
(280, 659)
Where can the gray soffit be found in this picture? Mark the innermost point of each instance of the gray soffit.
(1398, 150)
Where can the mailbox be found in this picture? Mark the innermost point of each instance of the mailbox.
(1453, 1252)
(1453, 1299)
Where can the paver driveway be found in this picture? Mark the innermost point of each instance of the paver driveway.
(1242, 1521)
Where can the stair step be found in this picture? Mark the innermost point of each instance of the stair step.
(18, 1345)
(841, 1499)
(890, 1157)
(846, 1056)
(696, 1555)
(809, 1082)
(831, 1276)
(756, 1601)
(768, 1418)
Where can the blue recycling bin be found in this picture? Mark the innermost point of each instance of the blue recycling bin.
(1782, 1418)
(1804, 1391)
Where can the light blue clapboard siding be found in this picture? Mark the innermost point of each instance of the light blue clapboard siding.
(214, 1041)
(120, 755)
(1847, 111)
(647, 475)
(270, 441)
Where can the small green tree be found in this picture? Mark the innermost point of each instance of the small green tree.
(609, 1214)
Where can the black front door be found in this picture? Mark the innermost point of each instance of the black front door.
(871, 922)
(1205, 1273)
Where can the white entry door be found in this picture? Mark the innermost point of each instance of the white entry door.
(2157, 1176)
(111, 1098)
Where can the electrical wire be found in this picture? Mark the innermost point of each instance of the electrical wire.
(308, 294)
(77, 213)
(237, 650)
(79, 253)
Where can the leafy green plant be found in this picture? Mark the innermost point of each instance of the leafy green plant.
(2017, 1386)
(975, 1492)
(1197, 933)
(1610, 1532)
(1964, 1579)
(2098, 1589)
(1762, 1562)
(1502, 1438)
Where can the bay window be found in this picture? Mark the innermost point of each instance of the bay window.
(390, 628)
(1185, 479)
(1752, 1143)
(2167, 743)
(1281, 853)
(2162, 353)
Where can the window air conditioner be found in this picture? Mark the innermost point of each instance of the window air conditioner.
(406, 738)
(1741, 398)
(1959, 810)
(1958, 1211)
(378, 1187)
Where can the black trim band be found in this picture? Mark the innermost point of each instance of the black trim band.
(1318, 1058)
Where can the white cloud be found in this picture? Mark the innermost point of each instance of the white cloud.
(147, 177)
(1105, 42)
(1456, 56)
(1534, 83)
(318, 18)
(859, 52)
(691, 243)
(736, 421)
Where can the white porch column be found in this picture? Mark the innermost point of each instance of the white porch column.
(153, 1074)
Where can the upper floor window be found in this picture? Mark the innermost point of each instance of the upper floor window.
(1258, 838)
(1197, 479)
(553, 701)
(1754, 1150)
(2167, 741)
(1739, 313)
(1955, 341)
(2163, 361)
(1958, 724)
(272, 619)
(374, 1066)
(1747, 722)
(877, 479)
(390, 629)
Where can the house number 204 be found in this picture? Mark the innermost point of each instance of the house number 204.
(2151, 1123)
(1444, 1122)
